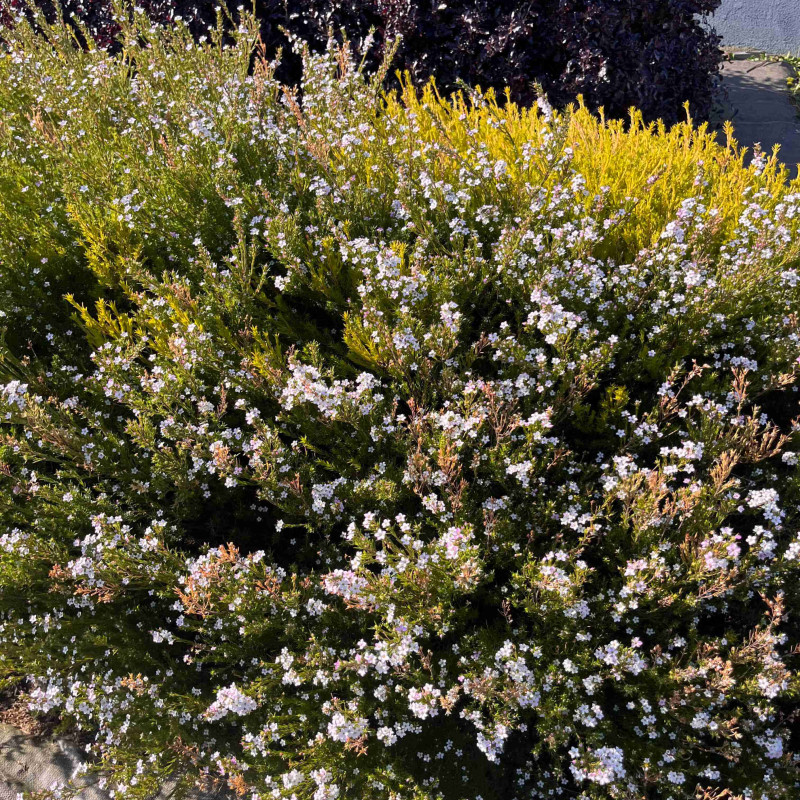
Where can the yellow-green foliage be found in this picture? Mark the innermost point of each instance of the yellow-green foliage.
(71, 124)
(619, 160)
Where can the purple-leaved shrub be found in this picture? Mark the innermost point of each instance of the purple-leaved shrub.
(655, 55)
(391, 446)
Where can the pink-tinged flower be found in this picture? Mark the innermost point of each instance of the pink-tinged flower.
(230, 700)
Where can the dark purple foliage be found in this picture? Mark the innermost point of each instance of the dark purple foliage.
(653, 54)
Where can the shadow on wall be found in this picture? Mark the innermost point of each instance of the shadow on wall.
(772, 26)
(755, 98)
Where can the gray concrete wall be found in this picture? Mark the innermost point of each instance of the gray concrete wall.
(769, 25)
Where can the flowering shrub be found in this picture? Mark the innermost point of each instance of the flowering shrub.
(391, 446)
(652, 54)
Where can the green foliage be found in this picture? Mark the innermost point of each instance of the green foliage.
(356, 445)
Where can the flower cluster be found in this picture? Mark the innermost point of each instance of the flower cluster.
(230, 700)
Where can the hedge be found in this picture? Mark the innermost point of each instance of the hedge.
(396, 446)
(652, 54)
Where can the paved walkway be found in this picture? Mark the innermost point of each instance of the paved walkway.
(33, 763)
(755, 98)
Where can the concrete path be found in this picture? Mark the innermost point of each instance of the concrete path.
(756, 99)
(38, 763)
(31, 763)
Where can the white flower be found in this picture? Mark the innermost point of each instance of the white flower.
(230, 700)
(292, 779)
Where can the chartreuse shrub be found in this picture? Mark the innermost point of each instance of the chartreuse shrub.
(391, 447)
